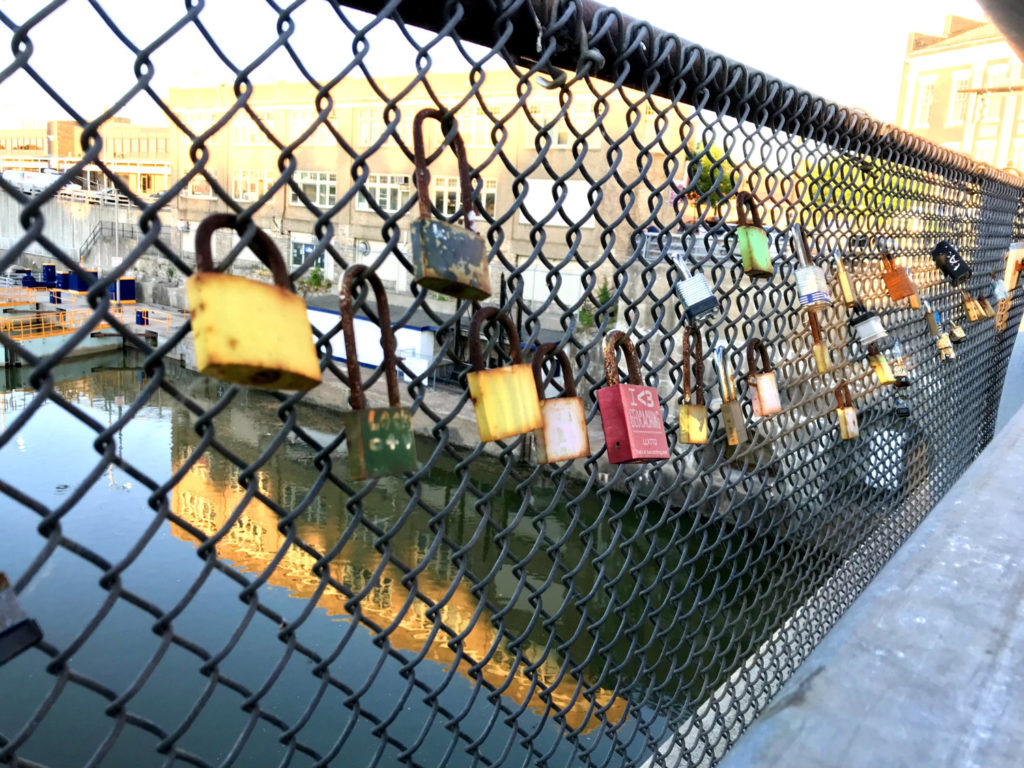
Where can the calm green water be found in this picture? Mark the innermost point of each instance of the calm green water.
(586, 606)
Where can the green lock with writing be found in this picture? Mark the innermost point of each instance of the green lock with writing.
(380, 440)
(753, 240)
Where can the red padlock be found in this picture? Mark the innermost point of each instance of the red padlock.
(634, 428)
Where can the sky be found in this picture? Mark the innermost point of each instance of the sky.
(851, 53)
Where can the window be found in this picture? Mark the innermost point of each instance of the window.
(1018, 155)
(448, 199)
(369, 126)
(474, 127)
(580, 115)
(959, 99)
(200, 187)
(319, 186)
(299, 121)
(389, 191)
(300, 251)
(985, 151)
(925, 96)
(995, 75)
(145, 182)
(244, 130)
(249, 184)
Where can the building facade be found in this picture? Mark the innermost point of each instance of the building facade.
(964, 89)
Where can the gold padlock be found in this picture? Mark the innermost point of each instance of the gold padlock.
(846, 414)
(247, 332)
(880, 365)
(693, 417)
(820, 348)
(564, 434)
(505, 399)
(974, 310)
(764, 388)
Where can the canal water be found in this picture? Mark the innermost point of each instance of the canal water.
(573, 609)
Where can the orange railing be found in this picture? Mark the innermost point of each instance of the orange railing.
(49, 324)
(15, 295)
(157, 319)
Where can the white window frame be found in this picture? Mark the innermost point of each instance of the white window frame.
(581, 115)
(300, 119)
(245, 133)
(961, 81)
(324, 184)
(369, 125)
(243, 178)
(923, 85)
(390, 190)
(446, 194)
(995, 74)
(986, 143)
(196, 186)
(1018, 154)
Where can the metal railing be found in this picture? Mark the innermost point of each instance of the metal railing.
(245, 602)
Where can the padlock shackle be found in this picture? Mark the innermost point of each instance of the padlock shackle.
(357, 398)
(697, 365)
(755, 346)
(744, 202)
(611, 367)
(843, 390)
(812, 320)
(725, 381)
(422, 176)
(476, 353)
(800, 247)
(542, 353)
(680, 261)
(262, 246)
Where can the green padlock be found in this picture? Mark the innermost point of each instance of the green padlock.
(753, 240)
(380, 440)
(447, 259)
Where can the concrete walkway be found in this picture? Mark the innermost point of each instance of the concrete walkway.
(926, 669)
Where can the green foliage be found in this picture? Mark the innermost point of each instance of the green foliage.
(316, 277)
(604, 297)
(717, 174)
(585, 318)
(865, 186)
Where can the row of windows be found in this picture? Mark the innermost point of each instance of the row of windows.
(989, 106)
(124, 146)
(389, 191)
(13, 142)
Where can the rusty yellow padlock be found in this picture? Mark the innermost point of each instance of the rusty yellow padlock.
(693, 417)
(380, 440)
(505, 399)
(880, 365)
(820, 347)
(763, 386)
(846, 414)
(564, 434)
(247, 332)
(447, 259)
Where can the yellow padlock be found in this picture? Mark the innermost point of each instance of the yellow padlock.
(693, 417)
(247, 332)
(564, 435)
(846, 414)
(505, 399)
(820, 348)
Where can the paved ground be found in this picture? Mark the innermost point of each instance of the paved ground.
(1013, 387)
(926, 669)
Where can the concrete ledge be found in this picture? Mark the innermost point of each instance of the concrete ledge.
(927, 667)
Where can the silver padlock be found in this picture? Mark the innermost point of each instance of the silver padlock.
(867, 325)
(693, 291)
(17, 632)
(811, 285)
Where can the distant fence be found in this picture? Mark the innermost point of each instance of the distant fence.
(485, 610)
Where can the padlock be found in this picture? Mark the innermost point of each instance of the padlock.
(896, 279)
(986, 306)
(883, 371)
(732, 412)
(634, 429)
(845, 284)
(380, 440)
(866, 325)
(956, 333)
(445, 258)
(1002, 314)
(846, 414)
(693, 291)
(945, 347)
(247, 332)
(973, 308)
(820, 347)
(950, 262)
(933, 319)
(764, 388)
(693, 416)
(899, 367)
(564, 434)
(18, 633)
(811, 285)
(752, 238)
(999, 290)
(505, 399)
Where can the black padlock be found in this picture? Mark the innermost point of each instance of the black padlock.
(948, 259)
(18, 633)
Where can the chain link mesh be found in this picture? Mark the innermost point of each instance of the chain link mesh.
(482, 610)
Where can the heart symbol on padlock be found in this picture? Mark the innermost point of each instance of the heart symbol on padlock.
(646, 397)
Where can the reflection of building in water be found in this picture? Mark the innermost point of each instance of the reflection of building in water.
(209, 494)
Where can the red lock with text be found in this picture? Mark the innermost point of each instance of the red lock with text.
(634, 428)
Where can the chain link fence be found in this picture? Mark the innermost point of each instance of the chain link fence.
(211, 586)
